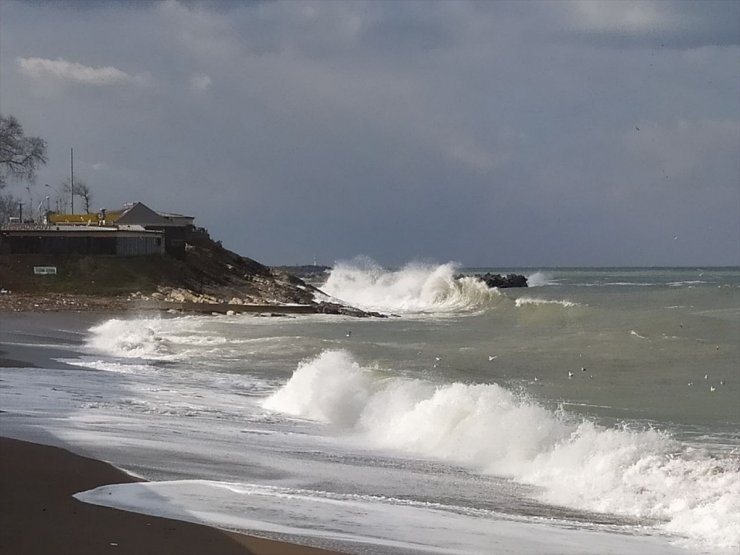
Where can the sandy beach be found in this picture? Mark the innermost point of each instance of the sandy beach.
(38, 514)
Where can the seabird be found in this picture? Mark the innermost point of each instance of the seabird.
(706, 376)
(349, 333)
(583, 369)
(712, 388)
(570, 374)
(491, 357)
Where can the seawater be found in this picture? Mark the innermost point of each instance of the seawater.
(596, 411)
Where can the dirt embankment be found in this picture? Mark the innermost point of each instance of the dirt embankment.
(207, 273)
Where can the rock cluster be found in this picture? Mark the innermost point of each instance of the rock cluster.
(497, 280)
(334, 308)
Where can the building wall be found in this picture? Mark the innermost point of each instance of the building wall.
(134, 246)
(79, 243)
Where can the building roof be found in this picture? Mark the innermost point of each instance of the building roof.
(140, 213)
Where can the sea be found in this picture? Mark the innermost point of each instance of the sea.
(596, 411)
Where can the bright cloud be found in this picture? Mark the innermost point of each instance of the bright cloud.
(64, 70)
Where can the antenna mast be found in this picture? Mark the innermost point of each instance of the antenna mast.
(72, 178)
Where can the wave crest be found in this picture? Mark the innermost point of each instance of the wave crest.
(640, 473)
(416, 288)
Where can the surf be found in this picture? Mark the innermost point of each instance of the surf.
(638, 473)
(415, 288)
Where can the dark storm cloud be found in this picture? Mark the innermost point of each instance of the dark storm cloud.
(489, 133)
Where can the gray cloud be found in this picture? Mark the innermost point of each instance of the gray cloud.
(657, 23)
(45, 70)
(489, 133)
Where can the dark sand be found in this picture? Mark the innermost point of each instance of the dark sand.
(38, 514)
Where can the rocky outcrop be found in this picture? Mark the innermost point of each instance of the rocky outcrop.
(335, 308)
(308, 273)
(497, 280)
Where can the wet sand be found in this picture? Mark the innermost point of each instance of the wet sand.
(38, 514)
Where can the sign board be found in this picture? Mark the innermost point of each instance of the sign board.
(45, 270)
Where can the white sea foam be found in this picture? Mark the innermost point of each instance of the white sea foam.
(157, 338)
(532, 301)
(382, 524)
(110, 366)
(416, 288)
(640, 473)
(131, 338)
(689, 282)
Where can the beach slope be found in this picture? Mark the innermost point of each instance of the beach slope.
(38, 514)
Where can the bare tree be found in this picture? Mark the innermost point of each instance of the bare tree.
(82, 190)
(20, 156)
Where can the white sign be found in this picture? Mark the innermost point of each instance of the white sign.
(45, 270)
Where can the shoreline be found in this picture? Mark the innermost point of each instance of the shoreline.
(38, 513)
(75, 302)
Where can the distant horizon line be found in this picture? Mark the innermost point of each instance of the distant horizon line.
(515, 267)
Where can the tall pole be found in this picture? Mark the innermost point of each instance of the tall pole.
(72, 178)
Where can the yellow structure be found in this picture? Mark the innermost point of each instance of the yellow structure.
(99, 218)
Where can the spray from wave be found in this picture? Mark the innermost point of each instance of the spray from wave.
(416, 288)
(639, 473)
(540, 279)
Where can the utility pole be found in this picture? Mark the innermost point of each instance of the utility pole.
(72, 178)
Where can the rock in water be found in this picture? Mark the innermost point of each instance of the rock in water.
(497, 280)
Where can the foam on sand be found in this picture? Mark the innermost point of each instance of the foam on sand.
(384, 524)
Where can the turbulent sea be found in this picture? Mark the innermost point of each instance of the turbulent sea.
(597, 411)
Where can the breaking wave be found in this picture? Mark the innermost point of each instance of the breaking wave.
(416, 288)
(131, 338)
(158, 338)
(637, 473)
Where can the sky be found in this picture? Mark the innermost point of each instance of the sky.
(573, 133)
